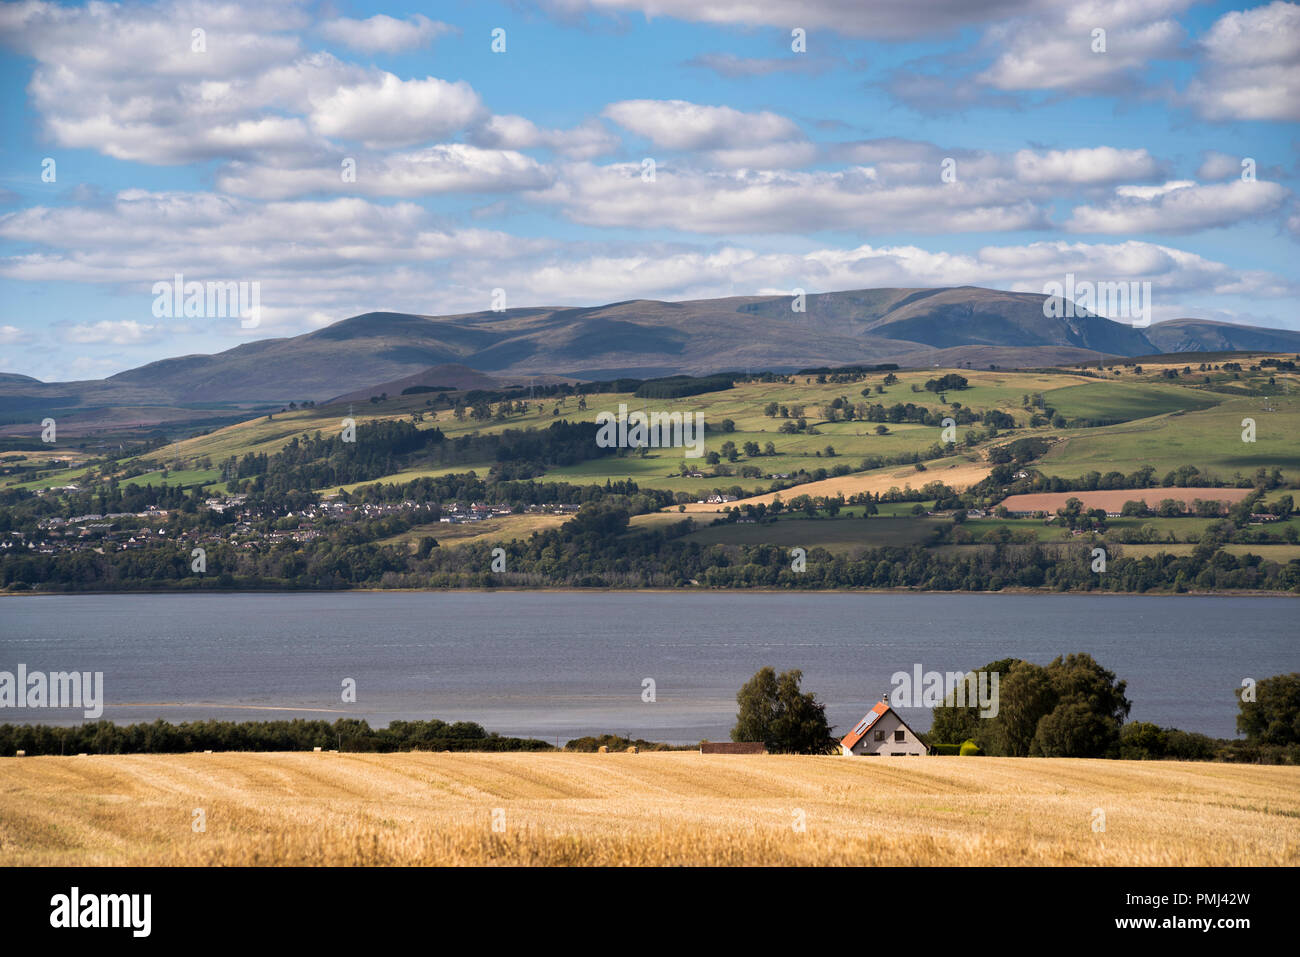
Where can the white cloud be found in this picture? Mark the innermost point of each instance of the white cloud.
(1216, 165)
(445, 168)
(384, 34)
(1151, 192)
(12, 336)
(1180, 206)
(914, 18)
(1053, 56)
(680, 125)
(322, 260)
(119, 333)
(748, 201)
(127, 81)
(390, 111)
(1102, 164)
(1253, 70)
(585, 141)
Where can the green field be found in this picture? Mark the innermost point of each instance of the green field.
(1209, 439)
(1125, 401)
(1166, 424)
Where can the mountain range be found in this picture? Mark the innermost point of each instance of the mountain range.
(377, 351)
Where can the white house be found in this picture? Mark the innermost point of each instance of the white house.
(882, 731)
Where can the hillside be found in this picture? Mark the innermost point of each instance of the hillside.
(649, 808)
(965, 326)
(1200, 335)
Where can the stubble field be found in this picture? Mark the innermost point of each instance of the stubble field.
(634, 809)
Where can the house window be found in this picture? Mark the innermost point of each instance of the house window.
(880, 736)
(898, 735)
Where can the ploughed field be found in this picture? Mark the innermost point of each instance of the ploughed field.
(649, 808)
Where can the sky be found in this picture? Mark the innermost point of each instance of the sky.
(442, 158)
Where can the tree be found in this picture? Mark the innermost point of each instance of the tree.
(775, 711)
(1274, 716)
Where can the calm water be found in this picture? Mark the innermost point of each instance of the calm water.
(563, 665)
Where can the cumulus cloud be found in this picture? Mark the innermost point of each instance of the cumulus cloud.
(318, 261)
(681, 125)
(444, 168)
(1253, 69)
(1061, 51)
(1102, 164)
(584, 141)
(118, 333)
(779, 201)
(1216, 165)
(915, 18)
(135, 83)
(382, 33)
(390, 111)
(1180, 206)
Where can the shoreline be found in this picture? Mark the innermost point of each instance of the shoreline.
(699, 589)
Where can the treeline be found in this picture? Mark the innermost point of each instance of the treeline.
(1075, 708)
(673, 387)
(160, 737)
(1185, 476)
(493, 490)
(597, 549)
(383, 448)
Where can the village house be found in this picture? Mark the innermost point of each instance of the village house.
(881, 731)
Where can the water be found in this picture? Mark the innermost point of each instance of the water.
(562, 664)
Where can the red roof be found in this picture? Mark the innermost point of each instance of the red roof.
(862, 727)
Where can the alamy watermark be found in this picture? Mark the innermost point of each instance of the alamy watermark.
(58, 689)
(1122, 301)
(651, 430)
(129, 911)
(178, 299)
(953, 689)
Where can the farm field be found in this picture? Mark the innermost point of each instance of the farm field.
(1158, 422)
(634, 809)
(957, 473)
(1114, 499)
(503, 528)
(1209, 439)
(839, 536)
(1123, 401)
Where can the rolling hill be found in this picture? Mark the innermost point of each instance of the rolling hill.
(963, 326)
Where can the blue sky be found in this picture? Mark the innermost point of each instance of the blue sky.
(218, 156)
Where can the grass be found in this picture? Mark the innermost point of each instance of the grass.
(1124, 401)
(1209, 439)
(1166, 424)
(504, 528)
(653, 808)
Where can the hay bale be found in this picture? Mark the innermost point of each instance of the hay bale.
(631, 749)
(316, 749)
(602, 750)
(20, 754)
